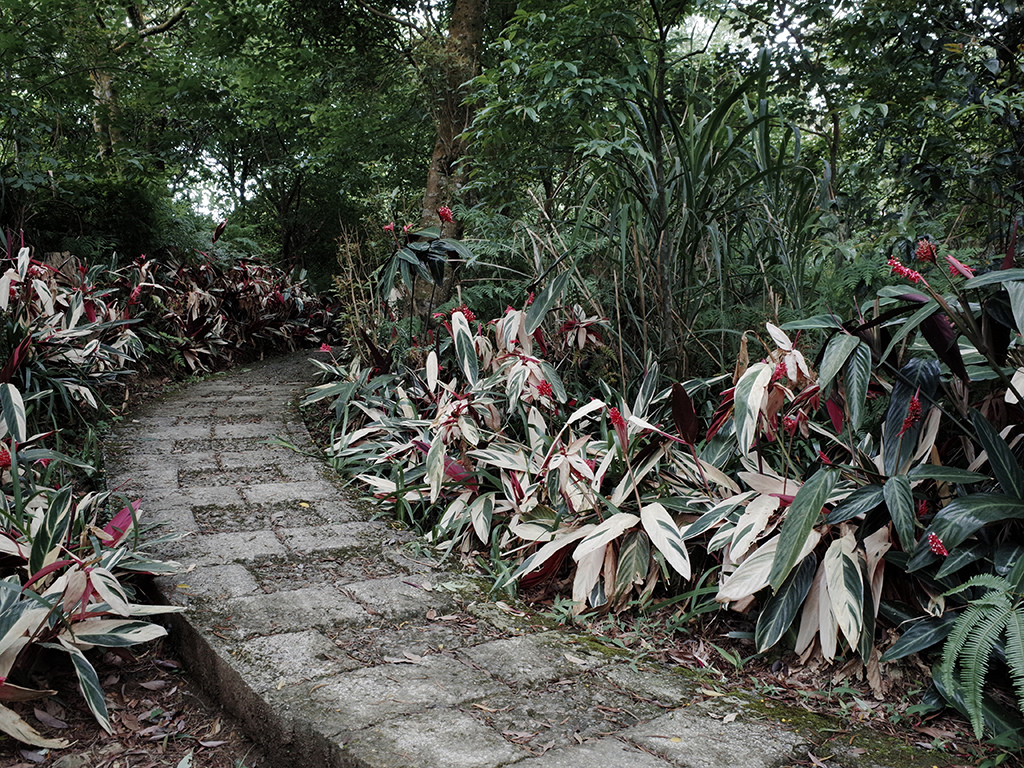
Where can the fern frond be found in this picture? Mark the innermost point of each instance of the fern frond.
(957, 640)
(975, 661)
(989, 580)
(1015, 650)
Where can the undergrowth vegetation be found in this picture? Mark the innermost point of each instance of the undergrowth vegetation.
(848, 474)
(73, 338)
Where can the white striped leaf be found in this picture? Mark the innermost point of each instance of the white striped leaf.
(666, 537)
(464, 347)
(605, 532)
(845, 587)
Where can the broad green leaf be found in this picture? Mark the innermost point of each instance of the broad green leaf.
(900, 501)
(1016, 291)
(920, 636)
(858, 376)
(818, 321)
(1004, 464)
(603, 533)
(12, 408)
(633, 563)
(782, 608)
(955, 522)
(837, 352)
(464, 347)
(666, 537)
(547, 299)
(845, 587)
(89, 685)
(995, 276)
(860, 502)
(945, 474)
(801, 516)
(927, 309)
(960, 557)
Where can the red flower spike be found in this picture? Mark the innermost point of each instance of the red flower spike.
(906, 272)
(619, 424)
(389, 227)
(444, 213)
(925, 251)
(544, 389)
(5, 457)
(936, 546)
(913, 415)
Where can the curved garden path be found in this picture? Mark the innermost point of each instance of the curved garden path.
(337, 643)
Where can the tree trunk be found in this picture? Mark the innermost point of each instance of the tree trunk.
(453, 114)
(105, 111)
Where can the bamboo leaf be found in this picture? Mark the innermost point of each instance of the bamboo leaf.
(801, 516)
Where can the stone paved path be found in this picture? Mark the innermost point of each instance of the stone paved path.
(337, 643)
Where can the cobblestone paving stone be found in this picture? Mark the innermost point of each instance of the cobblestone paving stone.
(338, 645)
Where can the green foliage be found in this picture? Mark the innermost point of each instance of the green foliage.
(993, 620)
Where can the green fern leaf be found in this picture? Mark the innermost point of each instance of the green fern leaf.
(1015, 650)
(975, 661)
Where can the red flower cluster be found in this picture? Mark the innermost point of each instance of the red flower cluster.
(935, 545)
(780, 371)
(913, 414)
(5, 457)
(469, 313)
(544, 388)
(444, 213)
(910, 274)
(616, 418)
(325, 347)
(925, 251)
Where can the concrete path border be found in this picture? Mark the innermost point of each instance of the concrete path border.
(337, 644)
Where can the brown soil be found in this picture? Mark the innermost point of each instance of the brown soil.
(159, 718)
